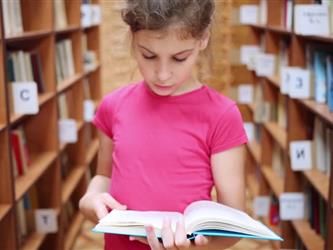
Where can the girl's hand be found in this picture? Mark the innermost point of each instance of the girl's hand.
(171, 241)
(95, 206)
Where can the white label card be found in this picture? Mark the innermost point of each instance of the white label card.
(265, 64)
(299, 83)
(248, 14)
(311, 19)
(46, 221)
(301, 155)
(261, 205)
(292, 206)
(249, 129)
(25, 98)
(248, 51)
(245, 93)
(89, 110)
(67, 130)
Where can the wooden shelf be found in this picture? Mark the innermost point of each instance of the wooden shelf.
(68, 83)
(90, 27)
(320, 181)
(79, 126)
(92, 151)
(279, 134)
(4, 209)
(34, 241)
(2, 126)
(258, 26)
(252, 107)
(28, 36)
(39, 164)
(87, 72)
(325, 39)
(280, 30)
(319, 109)
(71, 182)
(73, 231)
(275, 80)
(275, 182)
(310, 239)
(252, 185)
(42, 99)
(68, 29)
(276, 229)
(255, 150)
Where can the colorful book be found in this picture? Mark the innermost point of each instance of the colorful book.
(201, 218)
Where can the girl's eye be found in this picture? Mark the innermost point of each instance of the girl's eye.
(179, 59)
(148, 57)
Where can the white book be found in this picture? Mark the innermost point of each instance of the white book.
(200, 217)
(18, 17)
(22, 68)
(28, 67)
(69, 57)
(6, 17)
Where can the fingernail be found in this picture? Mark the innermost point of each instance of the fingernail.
(131, 238)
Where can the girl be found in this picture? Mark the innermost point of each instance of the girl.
(166, 140)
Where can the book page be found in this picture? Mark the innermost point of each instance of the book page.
(211, 215)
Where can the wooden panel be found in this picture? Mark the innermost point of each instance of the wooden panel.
(275, 182)
(275, 10)
(37, 8)
(310, 239)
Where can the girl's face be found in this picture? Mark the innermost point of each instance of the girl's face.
(166, 61)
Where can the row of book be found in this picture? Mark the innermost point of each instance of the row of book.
(304, 19)
(12, 16)
(65, 67)
(25, 66)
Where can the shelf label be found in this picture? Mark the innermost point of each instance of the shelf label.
(292, 206)
(248, 51)
(25, 98)
(89, 110)
(249, 129)
(312, 19)
(265, 64)
(301, 155)
(245, 93)
(296, 82)
(261, 205)
(46, 221)
(67, 130)
(248, 14)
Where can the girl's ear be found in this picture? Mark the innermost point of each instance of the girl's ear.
(204, 40)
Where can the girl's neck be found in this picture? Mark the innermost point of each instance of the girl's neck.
(191, 85)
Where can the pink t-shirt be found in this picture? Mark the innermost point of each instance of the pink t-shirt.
(163, 145)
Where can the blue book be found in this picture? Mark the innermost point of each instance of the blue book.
(319, 66)
(329, 73)
(201, 218)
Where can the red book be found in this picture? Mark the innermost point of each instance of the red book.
(15, 139)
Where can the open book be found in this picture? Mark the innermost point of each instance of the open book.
(201, 217)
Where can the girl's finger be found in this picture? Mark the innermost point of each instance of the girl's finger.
(200, 240)
(141, 239)
(111, 202)
(167, 235)
(101, 211)
(152, 239)
(181, 240)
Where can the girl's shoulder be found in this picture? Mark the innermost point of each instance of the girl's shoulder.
(120, 93)
(218, 101)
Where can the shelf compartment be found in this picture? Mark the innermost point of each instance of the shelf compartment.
(73, 231)
(279, 134)
(71, 28)
(71, 182)
(319, 109)
(275, 182)
(4, 209)
(320, 181)
(92, 151)
(29, 35)
(34, 241)
(255, 150)
(69, 82)
(310, 239)
(35, 170)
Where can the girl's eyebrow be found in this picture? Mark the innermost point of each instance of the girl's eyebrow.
(178, 53)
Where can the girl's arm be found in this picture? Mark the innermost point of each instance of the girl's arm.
(97, 201)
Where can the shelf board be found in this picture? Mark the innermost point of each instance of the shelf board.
(73, 231)
(92, 151)
(279, 134)
(259, 26)
(320, 181)
(71, 182)
(275, 80)
(309, 237)
(34, 241)
(319, 109)
(69, 82)
(42, 99)
(90, 27)
(326, 39)
(255, 150)
(35, 170)
(68, 29)
(252, 185)
(251, 107)
(2, 126)
(280, 30)
(4, 209)
(275, 182)
(93, 69)
(28, 36)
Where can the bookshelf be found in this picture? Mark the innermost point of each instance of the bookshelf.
(269, 167)
(56, 173)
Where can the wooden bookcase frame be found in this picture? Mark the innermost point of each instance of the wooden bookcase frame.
(300, 125)
(41, 130)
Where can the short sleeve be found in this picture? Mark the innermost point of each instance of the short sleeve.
(228, 131)
(104, 116)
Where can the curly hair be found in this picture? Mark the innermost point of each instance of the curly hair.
(194, 16)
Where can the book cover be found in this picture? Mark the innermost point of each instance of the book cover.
(201, 218)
